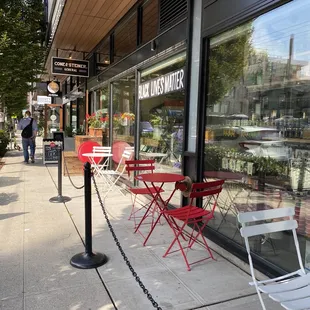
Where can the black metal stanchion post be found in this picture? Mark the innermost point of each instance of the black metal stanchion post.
(88, 259)
(59, 198)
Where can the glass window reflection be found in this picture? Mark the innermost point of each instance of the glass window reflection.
(123, 109)
(257, 124)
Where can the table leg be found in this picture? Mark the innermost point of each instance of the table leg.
(154, 198)
(161, 212)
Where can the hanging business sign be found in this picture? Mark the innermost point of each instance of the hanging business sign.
(67, 66)
(44, 100)
(168, 83)
(53, 89)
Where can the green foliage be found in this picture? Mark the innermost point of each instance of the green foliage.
(69, 131)
(80, 131)
(41, 122)
(228, 59)
(21, 51)
(4, 141)
(155, 119)
(262, 165)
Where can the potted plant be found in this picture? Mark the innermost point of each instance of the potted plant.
(97, 122)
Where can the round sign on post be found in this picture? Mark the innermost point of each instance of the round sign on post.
(1, 117)
(53, 87)
(53, 117)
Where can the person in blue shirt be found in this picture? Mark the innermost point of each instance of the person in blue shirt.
(28, 142)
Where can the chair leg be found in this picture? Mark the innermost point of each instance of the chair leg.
(153, 226)
(135, 210)
(178, 227)
(112, 184)
(200, 229)
(260, 299)
(177, 233)
(146, 213)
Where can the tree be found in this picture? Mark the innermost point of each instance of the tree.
(21, 51)
(228, 61)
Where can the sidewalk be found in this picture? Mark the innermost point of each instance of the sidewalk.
(39, 238)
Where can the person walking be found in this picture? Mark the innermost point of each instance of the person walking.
(29, 132)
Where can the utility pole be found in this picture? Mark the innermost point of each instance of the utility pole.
(289, 69)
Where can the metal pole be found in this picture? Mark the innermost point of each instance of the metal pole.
(88, 213)
(88, 259)
(59, 198)
(59, 170)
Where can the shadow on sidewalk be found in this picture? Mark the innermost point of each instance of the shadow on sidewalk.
(6, 199)
(8, 181)
(13, 153)
(9, 215)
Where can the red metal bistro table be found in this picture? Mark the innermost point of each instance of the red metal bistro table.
(150, 179)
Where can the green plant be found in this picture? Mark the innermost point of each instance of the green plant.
(99, 119)
(69, 131)
(155, 120)
(4, 141)
(80, 131)
(262, 165)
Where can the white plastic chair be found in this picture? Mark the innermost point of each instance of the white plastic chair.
(103, 150)
(112, 176)
(130, 149)
(292, 291)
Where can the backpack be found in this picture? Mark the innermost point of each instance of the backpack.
(27, 131)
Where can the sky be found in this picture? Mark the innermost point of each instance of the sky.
(273, 30)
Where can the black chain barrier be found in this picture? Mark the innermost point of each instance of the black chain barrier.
(77, 187)
(137, 278)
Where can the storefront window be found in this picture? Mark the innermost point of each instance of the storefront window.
(257, 125)
(53, 119)
(104, 106)
(81, 116)
(123, 110)
(74, 116)
(161, 94)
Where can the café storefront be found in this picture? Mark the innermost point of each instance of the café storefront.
(251, 124)
(255, 110)
(144, 108)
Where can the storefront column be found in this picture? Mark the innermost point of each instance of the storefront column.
(138, 116)
(194, 74)
(111, 114)
(190, 161)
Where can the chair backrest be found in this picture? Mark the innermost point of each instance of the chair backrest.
(129, 148)
(102, 149)
(207, 189)
(203, 189)
(147, 165)
(280, 219)
(127, 155)
(87, 147)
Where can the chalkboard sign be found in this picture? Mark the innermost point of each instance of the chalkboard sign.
(59, 136)
(50, 153)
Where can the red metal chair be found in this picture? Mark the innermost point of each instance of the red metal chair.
(194, 216)
(146, 166)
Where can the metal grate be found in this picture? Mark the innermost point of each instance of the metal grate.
(170, 11)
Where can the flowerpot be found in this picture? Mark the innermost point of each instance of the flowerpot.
(95, 132)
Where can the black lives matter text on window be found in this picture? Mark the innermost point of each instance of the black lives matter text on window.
(173, 81)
